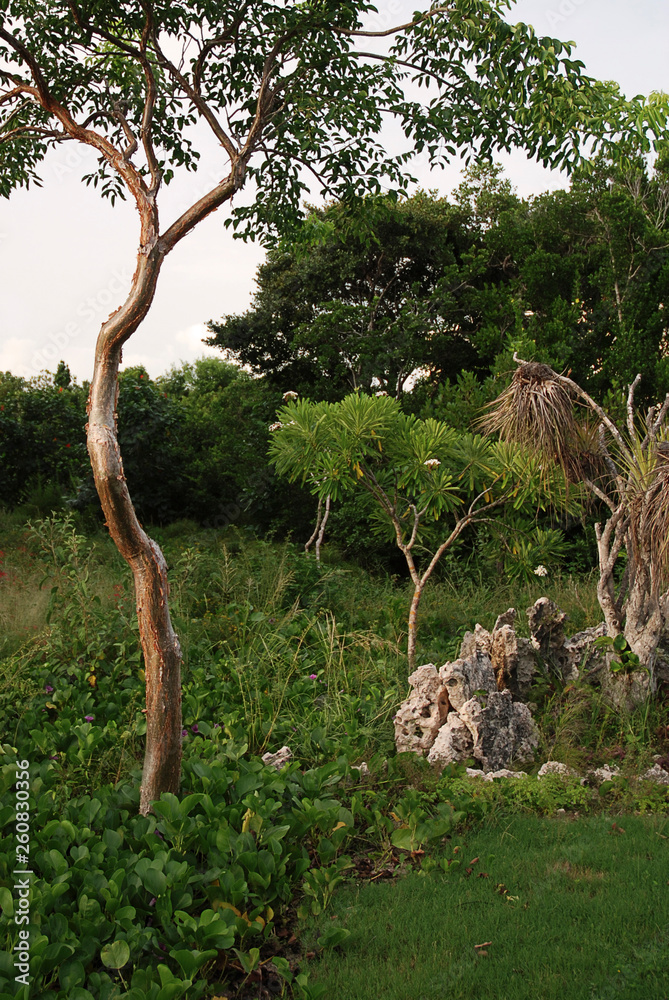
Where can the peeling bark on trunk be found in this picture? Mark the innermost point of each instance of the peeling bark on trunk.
(160, 645)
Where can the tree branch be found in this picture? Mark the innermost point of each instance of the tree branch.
(394, 31)
(199, 102)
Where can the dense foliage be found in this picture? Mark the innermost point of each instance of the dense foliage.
(201, 897)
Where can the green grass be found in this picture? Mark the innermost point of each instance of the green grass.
(574, 910)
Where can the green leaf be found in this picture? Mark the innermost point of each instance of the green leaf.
(334, 937)
(115, 955)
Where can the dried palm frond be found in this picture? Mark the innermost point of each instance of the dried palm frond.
(653, 523)
(537, 411)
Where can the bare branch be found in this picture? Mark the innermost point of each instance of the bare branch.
(600, 494)
(31, 63)
(149, 104)
(204, 206)
(212, 43)
(630, 406)
(400, 62)
(132, 146)
(199, 102)
(394, 31)
(36, 130)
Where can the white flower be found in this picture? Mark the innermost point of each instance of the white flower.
(432, 463)
(528, 312)
(381, 392)
(275, 427)
(541, 571)
(288, 396)
(661, 305)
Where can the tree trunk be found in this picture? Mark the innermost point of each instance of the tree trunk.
(413, 616)
(160, 645)
(644, 621)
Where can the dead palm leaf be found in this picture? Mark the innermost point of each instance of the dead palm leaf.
(537, 411)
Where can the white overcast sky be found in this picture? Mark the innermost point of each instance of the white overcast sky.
(66, 256)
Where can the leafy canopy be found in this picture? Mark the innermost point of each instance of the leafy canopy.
(416, 470)
(289, 90)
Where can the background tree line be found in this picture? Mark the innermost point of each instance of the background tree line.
(424, 299)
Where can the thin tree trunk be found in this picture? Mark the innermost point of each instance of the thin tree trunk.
(413, 618)
(321, 533)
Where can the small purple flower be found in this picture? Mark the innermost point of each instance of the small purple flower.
(217, 725)
(195, 728)
(313, 677)
(48, 688)
(89, 718)
(163, 947)
(54, 757)
(152, 902)
(159, 834)
(184, 732)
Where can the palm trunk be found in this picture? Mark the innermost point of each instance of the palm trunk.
(160, 645)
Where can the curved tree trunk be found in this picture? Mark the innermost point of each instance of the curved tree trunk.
(160, 645)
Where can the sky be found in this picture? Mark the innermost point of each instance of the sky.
(67, 256)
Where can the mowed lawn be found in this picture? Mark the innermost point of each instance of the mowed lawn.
(576, 909)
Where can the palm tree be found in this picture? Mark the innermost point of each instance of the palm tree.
(625, 468)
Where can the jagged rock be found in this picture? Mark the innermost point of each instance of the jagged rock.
(555, 767)
(656, 774)
(279, 759)
(547, 631)
(466, 676)
(478, 641)
(454, 742)
(508, 618)
(420, 717)
(503, 730)
(581, 656)
(513, 660)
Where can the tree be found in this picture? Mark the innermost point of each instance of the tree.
(286, 90)
(417, 472)
(344, 307)
(625, 468)
(580, 275)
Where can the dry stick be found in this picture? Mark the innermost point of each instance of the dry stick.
(321, 533)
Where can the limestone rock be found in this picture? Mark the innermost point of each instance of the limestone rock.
(555, 767)
(656, 774)
(362, 769)
(420, 717)
(606, 773)
(503, 730)
(513, 660)
(478, 641)
(465, 676)
(454, 742)
(279, 759)
(547, 631)
(505, 773)
(508, 618)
